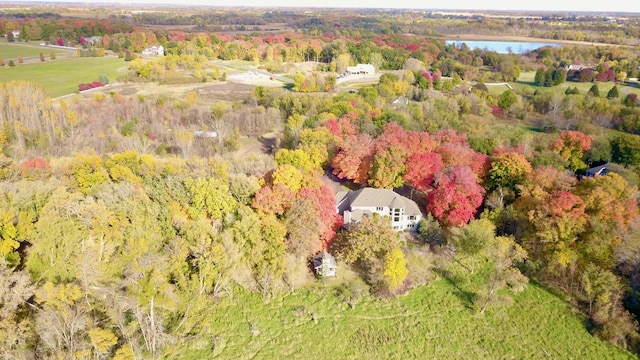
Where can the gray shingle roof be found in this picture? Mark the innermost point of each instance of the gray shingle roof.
(370, 197)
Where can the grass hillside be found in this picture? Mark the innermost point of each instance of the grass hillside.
(430, 322)
(62, 76)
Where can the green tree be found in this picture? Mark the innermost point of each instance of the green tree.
(613, 93)
(470, 241)
(503, 255)
(506, 99)
(388, 168)
(210, 197)
(368, 239)
(508, 169)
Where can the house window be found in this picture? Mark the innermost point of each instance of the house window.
(412, 217)
(396, 218)
(379, 208)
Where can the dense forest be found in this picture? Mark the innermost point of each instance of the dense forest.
(120, 229)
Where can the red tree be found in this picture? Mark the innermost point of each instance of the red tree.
(276, 199)
(325, 206)
(455, 196)
(353, 160)
(421, 168)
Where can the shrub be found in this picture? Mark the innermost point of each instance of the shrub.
(41, 57)
(52, 56)
(20, 60)
(103, 78)
(631, 100)
(36, 168)
(1, 62)
(11, 63)
(496, 110)
(93, 85)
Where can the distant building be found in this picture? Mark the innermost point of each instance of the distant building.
(154, 50)
(400, 101)
(361, 69)
(94, 40)
(354, 205)
(601, 170)
(15, 33)
(324, 264)
(205, 134)
(576, 67)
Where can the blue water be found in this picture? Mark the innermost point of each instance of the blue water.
(502, 47)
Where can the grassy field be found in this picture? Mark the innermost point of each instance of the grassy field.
(526, 80)
(11, 52)
(61, 77)
(431, 322)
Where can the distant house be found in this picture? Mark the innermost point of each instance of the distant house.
(14, 33)
(154, 50)
(354, 205)
(601, 170)
(94, 40)
(576, 67)
(205, 134)
(361, 69)
(400, 101)
(324, 264)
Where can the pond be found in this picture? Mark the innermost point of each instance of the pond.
(502, 47)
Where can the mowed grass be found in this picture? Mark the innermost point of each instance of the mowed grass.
(431, 322)
(526, 80)
(13, 51)
(61, 77)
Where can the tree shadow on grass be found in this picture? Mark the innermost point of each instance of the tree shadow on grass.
(466, 297)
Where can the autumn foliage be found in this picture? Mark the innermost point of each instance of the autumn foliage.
(93, 85)
(455, 196)
(571, 146)
(36, 168)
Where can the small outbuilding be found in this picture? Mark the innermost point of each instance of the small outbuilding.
(325, 264)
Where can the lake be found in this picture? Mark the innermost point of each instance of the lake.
(502, 47)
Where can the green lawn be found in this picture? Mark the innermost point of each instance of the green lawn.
(431, 322)
(526, 80)
(62, 76)
(12, 51)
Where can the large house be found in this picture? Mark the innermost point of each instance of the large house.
(361, 69)
(154, 50)
(354, 205)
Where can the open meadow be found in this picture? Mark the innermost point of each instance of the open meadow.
(62, 76)
(526, 80)
(13, 51)
(431, 322)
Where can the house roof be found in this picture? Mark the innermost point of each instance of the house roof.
(361, 67)
(371, 197)
(324, 255)
(357, 215)
(598, 170)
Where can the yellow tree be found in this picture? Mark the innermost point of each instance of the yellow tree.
(395, 269)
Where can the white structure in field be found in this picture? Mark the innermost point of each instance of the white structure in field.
(354, 205)
(361, 69)
(154, 50)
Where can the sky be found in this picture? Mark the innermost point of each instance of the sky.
(553, 5)
(571, 5)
